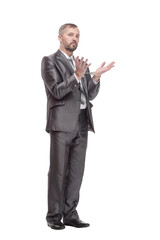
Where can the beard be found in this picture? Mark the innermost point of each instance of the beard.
(70, 47)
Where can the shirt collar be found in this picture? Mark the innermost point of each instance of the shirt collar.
(68, 57)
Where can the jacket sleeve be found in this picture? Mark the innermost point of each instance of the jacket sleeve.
(58, 89)
(93, 88)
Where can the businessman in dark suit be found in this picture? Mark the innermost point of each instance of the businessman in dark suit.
(69, 88)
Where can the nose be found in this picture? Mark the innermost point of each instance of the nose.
(74, 38)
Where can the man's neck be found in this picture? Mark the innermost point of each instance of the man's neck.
(65, 51)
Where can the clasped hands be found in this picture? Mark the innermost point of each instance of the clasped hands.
(81, 68)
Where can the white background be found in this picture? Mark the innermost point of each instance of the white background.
(120, 193)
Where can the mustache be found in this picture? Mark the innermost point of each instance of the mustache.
(73, 42)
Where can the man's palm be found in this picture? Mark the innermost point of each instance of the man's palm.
(103, 69)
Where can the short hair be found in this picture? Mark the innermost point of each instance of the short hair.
(71, 25)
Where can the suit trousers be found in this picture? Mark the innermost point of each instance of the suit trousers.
(67, 162)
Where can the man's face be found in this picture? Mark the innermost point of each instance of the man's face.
(69, 39)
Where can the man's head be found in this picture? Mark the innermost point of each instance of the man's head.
(68, 37)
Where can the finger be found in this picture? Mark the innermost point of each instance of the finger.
(111, 64)
(76, 59)
(102, 65)
(81, 60)
(107, 68)
(85, 62)
(89, 65)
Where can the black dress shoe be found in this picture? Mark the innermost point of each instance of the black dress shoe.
(56, 224)
(76, 223)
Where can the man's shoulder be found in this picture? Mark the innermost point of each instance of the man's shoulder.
(53, 56)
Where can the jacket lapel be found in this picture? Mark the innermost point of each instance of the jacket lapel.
(62, 59)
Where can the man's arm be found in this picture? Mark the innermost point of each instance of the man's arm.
(93, 83)
(50, 76)
(93, 86)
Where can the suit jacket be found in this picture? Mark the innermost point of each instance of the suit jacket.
(63, 94)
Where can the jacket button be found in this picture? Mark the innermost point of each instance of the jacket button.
(75, 85)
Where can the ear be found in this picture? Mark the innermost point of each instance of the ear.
(60, 38)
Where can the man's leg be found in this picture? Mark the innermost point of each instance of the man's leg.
(59, 152)
(76, 169)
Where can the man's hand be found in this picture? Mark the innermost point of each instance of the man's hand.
(103, 69)
(81, 67)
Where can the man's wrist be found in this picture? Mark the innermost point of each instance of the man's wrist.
(96, 78)
(78, 80)
(79, 76)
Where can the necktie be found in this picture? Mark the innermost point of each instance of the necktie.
(71, 62)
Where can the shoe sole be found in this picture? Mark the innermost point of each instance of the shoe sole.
(76, 226)
(57, 228)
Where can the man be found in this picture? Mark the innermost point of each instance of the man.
(69, 88)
